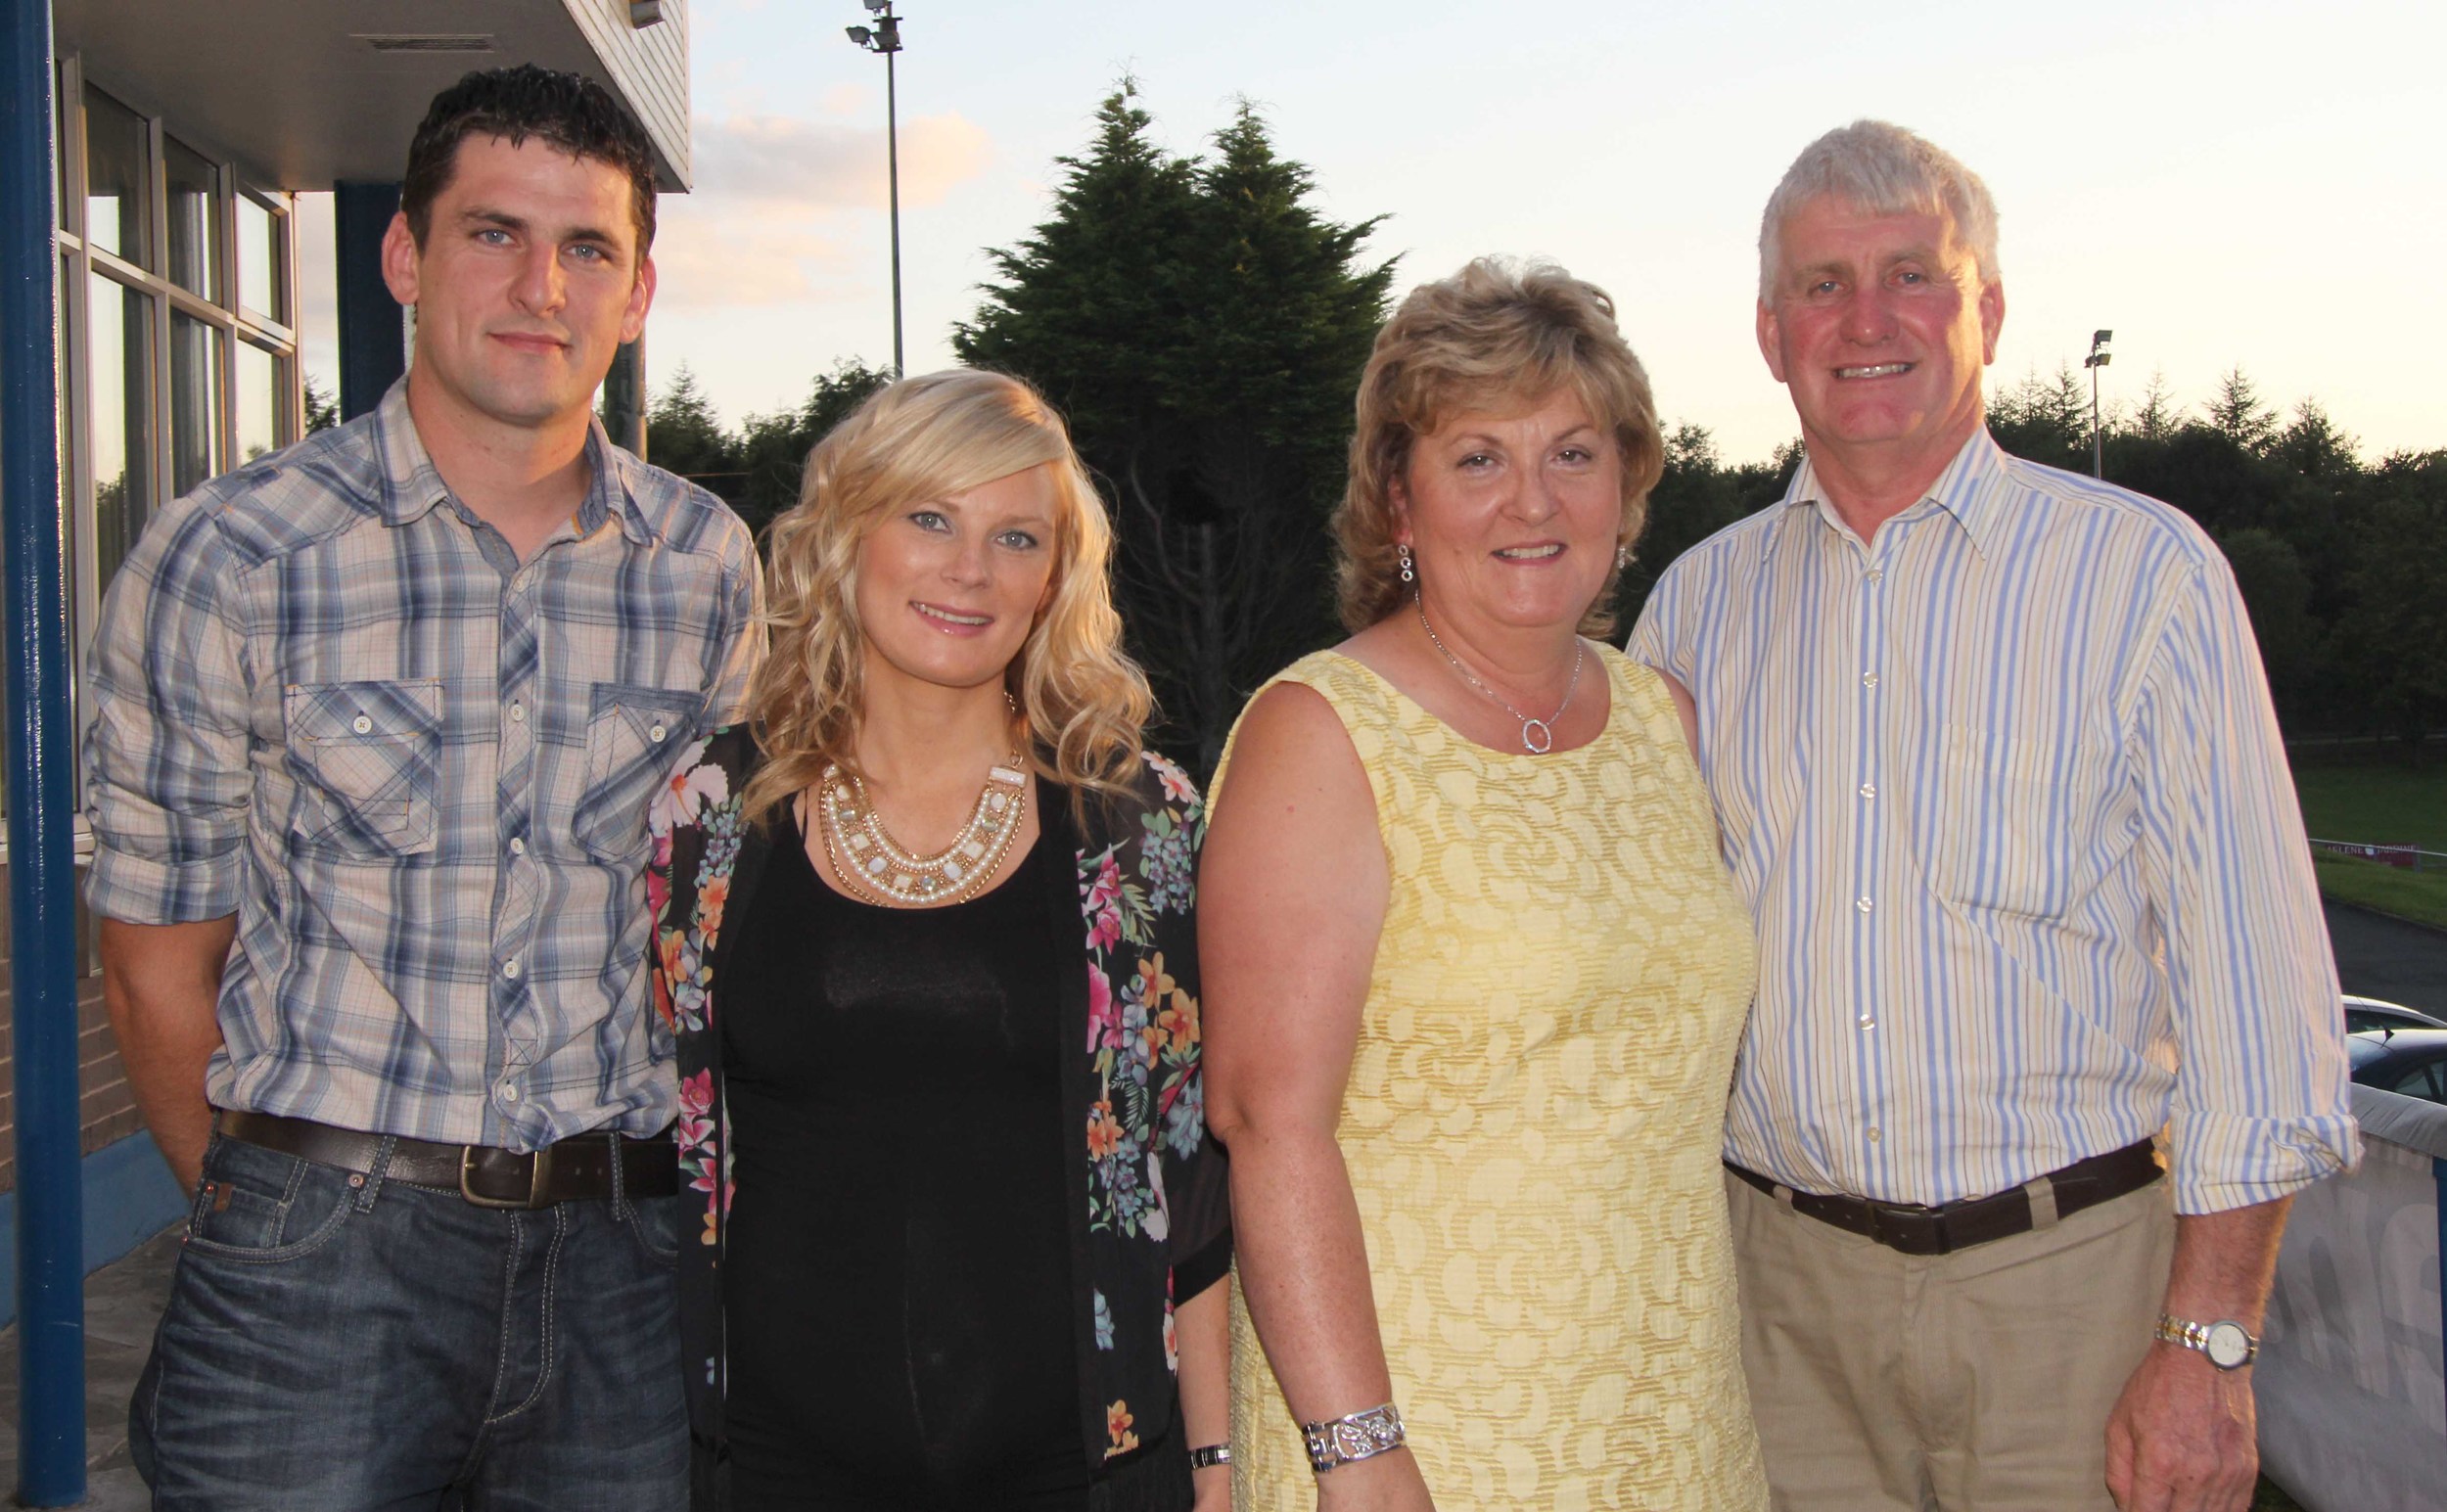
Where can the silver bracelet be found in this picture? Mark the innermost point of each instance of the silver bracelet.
(1343, 1440)
(1207, 1455)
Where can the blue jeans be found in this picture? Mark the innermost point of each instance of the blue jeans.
(338, 1342)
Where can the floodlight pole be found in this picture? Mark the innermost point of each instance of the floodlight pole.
(2098, 358)
(884, 38)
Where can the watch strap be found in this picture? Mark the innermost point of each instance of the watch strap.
(2186, 1334)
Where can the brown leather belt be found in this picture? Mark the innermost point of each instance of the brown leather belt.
(1959, 1225)
(576, 1170)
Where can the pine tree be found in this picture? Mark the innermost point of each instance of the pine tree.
(2045, 419)
(684, 436)
(1204, 329)
(772, 449)
(2239, 415)
(2156, 418)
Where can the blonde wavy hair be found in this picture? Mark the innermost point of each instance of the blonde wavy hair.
(922, 439)
(1496, 335)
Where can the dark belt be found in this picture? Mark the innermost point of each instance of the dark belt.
(1959, 1225)
(576, 1170)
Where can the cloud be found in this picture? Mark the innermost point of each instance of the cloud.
(815, 166)
(710, 255)
(755, 233)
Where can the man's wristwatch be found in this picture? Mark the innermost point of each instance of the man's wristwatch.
(2229, 1345)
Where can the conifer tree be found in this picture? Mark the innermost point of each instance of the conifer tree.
(1204, 329)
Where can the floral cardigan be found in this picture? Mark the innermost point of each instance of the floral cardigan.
(1150, 1222)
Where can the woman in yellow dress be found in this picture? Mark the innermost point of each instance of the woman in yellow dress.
(1475, 972)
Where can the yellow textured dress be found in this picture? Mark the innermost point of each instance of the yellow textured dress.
(1535, 1116)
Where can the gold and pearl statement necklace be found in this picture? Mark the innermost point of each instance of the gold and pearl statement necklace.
(875, 866)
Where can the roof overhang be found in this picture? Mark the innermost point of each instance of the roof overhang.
(303, 96)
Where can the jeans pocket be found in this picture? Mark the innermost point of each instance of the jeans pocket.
(654, 1224)
(260, 1206)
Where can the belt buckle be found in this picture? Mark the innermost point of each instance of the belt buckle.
(534, 1182)
(1911, 1230)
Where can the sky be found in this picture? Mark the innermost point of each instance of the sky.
(2241, 183)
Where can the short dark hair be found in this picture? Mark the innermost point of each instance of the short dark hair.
(569, 110)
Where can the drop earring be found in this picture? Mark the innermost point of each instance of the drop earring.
(1622, 558)
(1401, 554)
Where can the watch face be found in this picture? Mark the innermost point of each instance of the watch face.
(2227, 1346)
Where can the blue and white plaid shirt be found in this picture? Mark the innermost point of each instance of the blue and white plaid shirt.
(2005, 795)
(325, 698)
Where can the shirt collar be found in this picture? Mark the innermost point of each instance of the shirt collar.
(1969, 489)
(412, 487)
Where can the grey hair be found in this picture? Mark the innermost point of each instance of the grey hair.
(1886, 170)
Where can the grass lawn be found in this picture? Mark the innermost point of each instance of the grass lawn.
(2378, 805)
(2420, 897)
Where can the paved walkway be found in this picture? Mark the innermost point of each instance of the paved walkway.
(2377, 956)
(123, 1303)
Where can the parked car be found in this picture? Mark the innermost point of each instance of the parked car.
(2363, 1013)
(2410, 1061)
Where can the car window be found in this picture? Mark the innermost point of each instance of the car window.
(2427, 1080)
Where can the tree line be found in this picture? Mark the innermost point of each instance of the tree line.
(1203, 327)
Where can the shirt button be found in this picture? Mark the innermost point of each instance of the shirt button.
(510, 968)
(1864, 904)
(1876, 576)
(656, 734)
(1868, 790)
(1868, 680)
(518, 845)
(518, 714)
(510, 1094)
(1875, 1136)
(1867, 1022)
(363, 725)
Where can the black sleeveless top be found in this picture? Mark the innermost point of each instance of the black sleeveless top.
(897, 1263)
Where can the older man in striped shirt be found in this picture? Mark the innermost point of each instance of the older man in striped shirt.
(1998, 774)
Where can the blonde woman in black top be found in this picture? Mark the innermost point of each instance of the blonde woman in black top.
(926, 938)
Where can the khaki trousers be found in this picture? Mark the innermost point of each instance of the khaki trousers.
(1978, 1380)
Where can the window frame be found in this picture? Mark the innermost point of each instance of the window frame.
(77, 261)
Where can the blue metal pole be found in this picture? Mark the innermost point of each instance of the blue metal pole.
(42, 788)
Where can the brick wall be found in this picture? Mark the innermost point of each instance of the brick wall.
(107, 1110)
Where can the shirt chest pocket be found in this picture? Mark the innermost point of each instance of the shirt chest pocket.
(2005, 830)
(633, 735)
(367, 759)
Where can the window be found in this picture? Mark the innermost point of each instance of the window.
(119, 375)
(118, 183)
(262, 260)
(195, 191)
(257, 396)
(2426, 1079)
(178, 353)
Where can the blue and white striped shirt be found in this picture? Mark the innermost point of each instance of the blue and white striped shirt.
(2005, 792)
(325, 698)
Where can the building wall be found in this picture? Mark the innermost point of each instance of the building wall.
(106, 1108)
(178, 359)
(650, 64)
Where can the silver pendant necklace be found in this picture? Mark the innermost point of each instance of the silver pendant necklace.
(1538, 736)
